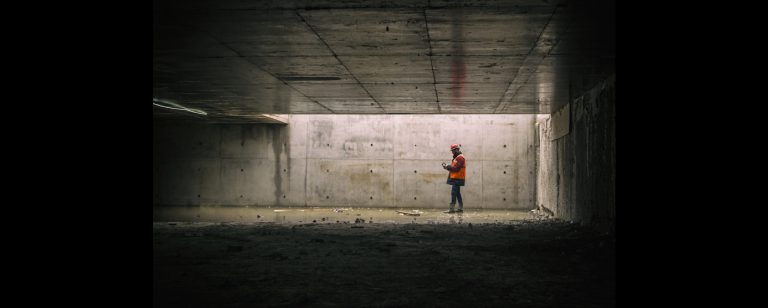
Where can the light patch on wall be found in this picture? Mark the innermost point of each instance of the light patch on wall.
(174, 106)
(561, 122)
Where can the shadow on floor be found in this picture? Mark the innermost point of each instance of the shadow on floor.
(520, 263)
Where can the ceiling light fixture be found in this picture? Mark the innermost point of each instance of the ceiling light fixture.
(171, 105)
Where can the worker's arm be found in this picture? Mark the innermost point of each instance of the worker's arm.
(459, 164)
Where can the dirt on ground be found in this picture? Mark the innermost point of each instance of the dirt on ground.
(528, 263)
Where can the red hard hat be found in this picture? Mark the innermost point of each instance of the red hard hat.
(454, 146)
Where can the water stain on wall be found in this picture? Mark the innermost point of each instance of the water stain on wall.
(321, 133)
(279, 144)
(430, 177)
(380, 181)
(364, 139)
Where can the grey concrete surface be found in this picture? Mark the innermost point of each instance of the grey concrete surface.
(268, 264)
(346, 160)
(577, 172)
(336, 215)
(235, 59)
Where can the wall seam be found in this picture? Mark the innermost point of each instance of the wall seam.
(306, 161)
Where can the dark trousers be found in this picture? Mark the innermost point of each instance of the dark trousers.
(456, 194)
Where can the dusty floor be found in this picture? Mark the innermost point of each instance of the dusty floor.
(436, 262)
(300, 215)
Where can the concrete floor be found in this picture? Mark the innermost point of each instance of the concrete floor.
(521, 263)
(341, 215)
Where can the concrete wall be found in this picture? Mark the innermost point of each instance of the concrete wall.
(346, 160)
(577, 172)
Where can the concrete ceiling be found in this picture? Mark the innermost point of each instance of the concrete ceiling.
(237, 59)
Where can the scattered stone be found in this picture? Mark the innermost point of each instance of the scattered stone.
(410, 213)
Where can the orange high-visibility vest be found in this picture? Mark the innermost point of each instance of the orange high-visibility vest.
(459, 175)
